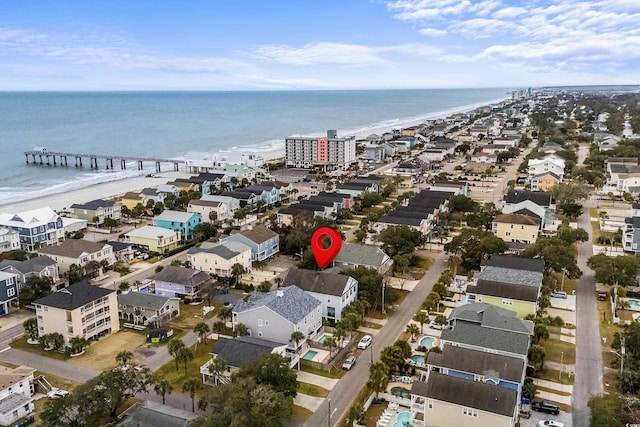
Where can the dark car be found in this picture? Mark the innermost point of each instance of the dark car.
(544, 406)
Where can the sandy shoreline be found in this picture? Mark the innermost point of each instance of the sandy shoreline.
(62, 201)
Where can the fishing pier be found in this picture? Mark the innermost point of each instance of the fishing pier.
(40, 156)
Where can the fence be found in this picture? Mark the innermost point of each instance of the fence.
(337, 356)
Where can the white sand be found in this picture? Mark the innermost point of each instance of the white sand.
(105, 190)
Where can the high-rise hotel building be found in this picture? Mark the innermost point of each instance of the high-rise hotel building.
(329, 151)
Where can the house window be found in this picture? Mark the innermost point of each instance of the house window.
(430, 403)
(259, 322)
(507, 302)
(266, 323)
(470, 412)
(11, 292)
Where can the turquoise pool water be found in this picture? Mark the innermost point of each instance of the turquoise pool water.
(323, 339)
(309, 355)
(403, 417)
(633, 302)
(427, 342)
(418, 358)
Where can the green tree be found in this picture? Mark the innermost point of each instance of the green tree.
(540, 332)
(557, 254)
(474, 245)
(174, 347)
(31, 328)
(431, 302)
(217, 367)
(191, 386)
(529, 389)
(273, 370)
(34, 288)
(237, 270)
(421, 317)
(412, 329)
(202, 329)
(613, 409)
(124, 357)
(621, 270)
(296, 337)
(440, 319)
(78, 344)
(162, 388)
(185, 355)
(378, 377)
(75, 274)
(370, 199)
(536, 356)
(204, 231)
(265, 286)
(241, 330)
(398, 240)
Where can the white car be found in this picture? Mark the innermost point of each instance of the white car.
(550, 423)
(365, 342)
(348, 363)
(54, 394)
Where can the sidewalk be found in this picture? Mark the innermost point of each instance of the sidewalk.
(16, 317)
(566, 388)
(318, 380)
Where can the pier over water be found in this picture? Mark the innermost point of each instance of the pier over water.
(41, 156)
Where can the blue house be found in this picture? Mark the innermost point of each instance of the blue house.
(264, 243)
(182, 222)
(8, 290)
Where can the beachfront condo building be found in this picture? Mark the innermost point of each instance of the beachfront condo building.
(328, 151)
(37, 227)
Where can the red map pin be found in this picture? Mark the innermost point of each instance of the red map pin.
(325, 256)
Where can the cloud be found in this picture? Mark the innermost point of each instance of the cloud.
(432, 32)
(320, 53)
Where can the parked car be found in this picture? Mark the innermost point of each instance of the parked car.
(559, 294)
(56, 393)
(550, 423)
(349, 362)
(434, 325)
(545, 406)
(365, 342)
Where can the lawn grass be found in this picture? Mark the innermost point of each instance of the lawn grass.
(372, 415)
(312, 390)
(569, 284)
(554, 376)
(21, 344)
(554, 391)
(336, 373)
(559, 351)
(201, 354)
(607, 328)
(426, 263)
(299, 413)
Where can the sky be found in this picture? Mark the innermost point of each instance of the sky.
(316, 44)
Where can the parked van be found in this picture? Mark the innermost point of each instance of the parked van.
(545, 406)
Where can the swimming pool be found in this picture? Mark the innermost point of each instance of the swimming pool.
(323, 338)
(427, 342)
(309, 355)
(418, 358)
(402, 418)
(634, 304)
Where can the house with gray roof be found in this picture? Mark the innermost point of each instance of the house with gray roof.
(513, 262)
(153, 414)
(144, 308)
(79, 252)
(484, 327)
(181, 282)
(353, 255)
(509, 275)
(277, 314)
(97, 209)
(264, 242)
(336, 291)
(40, 266)
(446, 400)
(220, 257)
(523, 299)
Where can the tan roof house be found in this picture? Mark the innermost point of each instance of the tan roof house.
(16, 393)
(80, 252)
(516, 228)
(544, 181)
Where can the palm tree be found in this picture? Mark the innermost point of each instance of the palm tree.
(31, 328)
(191, 386)
(185, 355)
(202, 329)
(421, 317)
(124, 286)
(241, 330)
(237, 270)
(219, 327)
(78, 344)
(225, 313)
(297, 336)
(217, 367)
(174, 348)
(163, 388)
(124, 357)
(378, 377)
(331, 343)
(412, 329)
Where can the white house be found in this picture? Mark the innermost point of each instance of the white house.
(16, 393)
(335, 291)
(219, 258)
(173, 281)
(9, 240)
(36, 227)
(549, 163)
(79, 252)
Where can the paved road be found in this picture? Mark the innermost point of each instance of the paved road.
(346, 390)
(7, 335)
(589, 367)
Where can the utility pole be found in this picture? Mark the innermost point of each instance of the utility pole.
(329, 413)
(561, 357)
(384, 285)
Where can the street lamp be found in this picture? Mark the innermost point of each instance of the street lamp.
(622, 350)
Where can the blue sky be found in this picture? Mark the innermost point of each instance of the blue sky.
(311, 44)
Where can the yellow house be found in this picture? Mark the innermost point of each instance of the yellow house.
(516, 228)
(521, 298)
(78, 310)
(131, 199)
(219, 258)
(544, 181)
(154, 239)
(444, 401)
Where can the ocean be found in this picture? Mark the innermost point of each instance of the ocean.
(170, 124)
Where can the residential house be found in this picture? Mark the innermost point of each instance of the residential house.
(544, 181)
(609, 143)
(244, 197)
(154, 195)
(122, 251)
(622, 175)
(455, 187)
(631, 236)
(225, 211)
(151, 414)
(355, 188)
(484, 157)
(538, 204)
(264, 242)
(549, 163)
(420, 212)
(153, 239)
(445, 400)
(335, 291)
(36, 227)
(514, 273)
(513, 263)
(209, 211)
(308, 188)
(374, 152)
(180, 282)
(9, 240)
(182, 222)
(79, 252)
(516, 227)
(550, 148)
(131, 199)
(522, 299)
(414, 166)
(277, 314)
(78, 310)
(484, 327)
(8, 290)
(73, 225)
(353, 255)
(40, 266)
(144, 308)
(219, 258)
(16, 394)
(96, 211)
(240, 352)
(439, 130)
